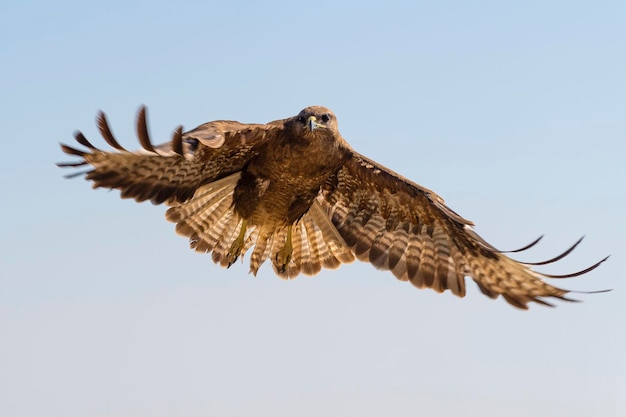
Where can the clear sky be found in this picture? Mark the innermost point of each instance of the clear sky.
(514, 112)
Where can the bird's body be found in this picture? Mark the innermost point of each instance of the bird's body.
(308, 158)
(295, 192)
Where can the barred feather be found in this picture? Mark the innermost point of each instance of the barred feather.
(398, 225)
(362, 208)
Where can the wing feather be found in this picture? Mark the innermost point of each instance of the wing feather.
(364, 210)
(401, 226)
(171, 172)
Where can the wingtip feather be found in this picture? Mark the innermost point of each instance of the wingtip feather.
(142, 130)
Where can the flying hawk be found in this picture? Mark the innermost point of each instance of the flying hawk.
(295, 191)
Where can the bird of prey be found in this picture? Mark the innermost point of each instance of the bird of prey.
(295, 192)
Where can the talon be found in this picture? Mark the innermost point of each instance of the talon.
(284, 255)
(237, 247)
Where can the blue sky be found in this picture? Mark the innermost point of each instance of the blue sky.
(514, 112)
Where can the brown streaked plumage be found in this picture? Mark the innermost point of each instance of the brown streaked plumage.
(295, 192)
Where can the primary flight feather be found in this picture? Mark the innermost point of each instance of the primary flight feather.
(293, 191)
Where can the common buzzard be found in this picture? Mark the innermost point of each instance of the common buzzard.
(295, 192)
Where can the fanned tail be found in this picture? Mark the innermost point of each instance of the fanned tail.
(316, 244)
(212, 226)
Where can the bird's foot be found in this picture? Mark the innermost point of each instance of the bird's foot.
(237, 246)
(284, 255)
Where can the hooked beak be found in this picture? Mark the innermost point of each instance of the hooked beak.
(312, 123)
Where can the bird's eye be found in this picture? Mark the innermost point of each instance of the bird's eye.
(325, 118)
(301, 119)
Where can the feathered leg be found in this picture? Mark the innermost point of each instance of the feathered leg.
(236, 248)
(284, 255)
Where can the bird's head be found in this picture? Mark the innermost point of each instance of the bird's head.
(317, 121)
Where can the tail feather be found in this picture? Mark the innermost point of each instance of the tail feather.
(277, 242)
(225, 235)
(212, 225)
(298, 251)
(261, 250)
(313, 251)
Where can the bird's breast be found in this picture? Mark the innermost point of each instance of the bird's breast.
(280, 185)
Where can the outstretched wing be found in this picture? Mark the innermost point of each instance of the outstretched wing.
(171, 172)
(400, 226)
